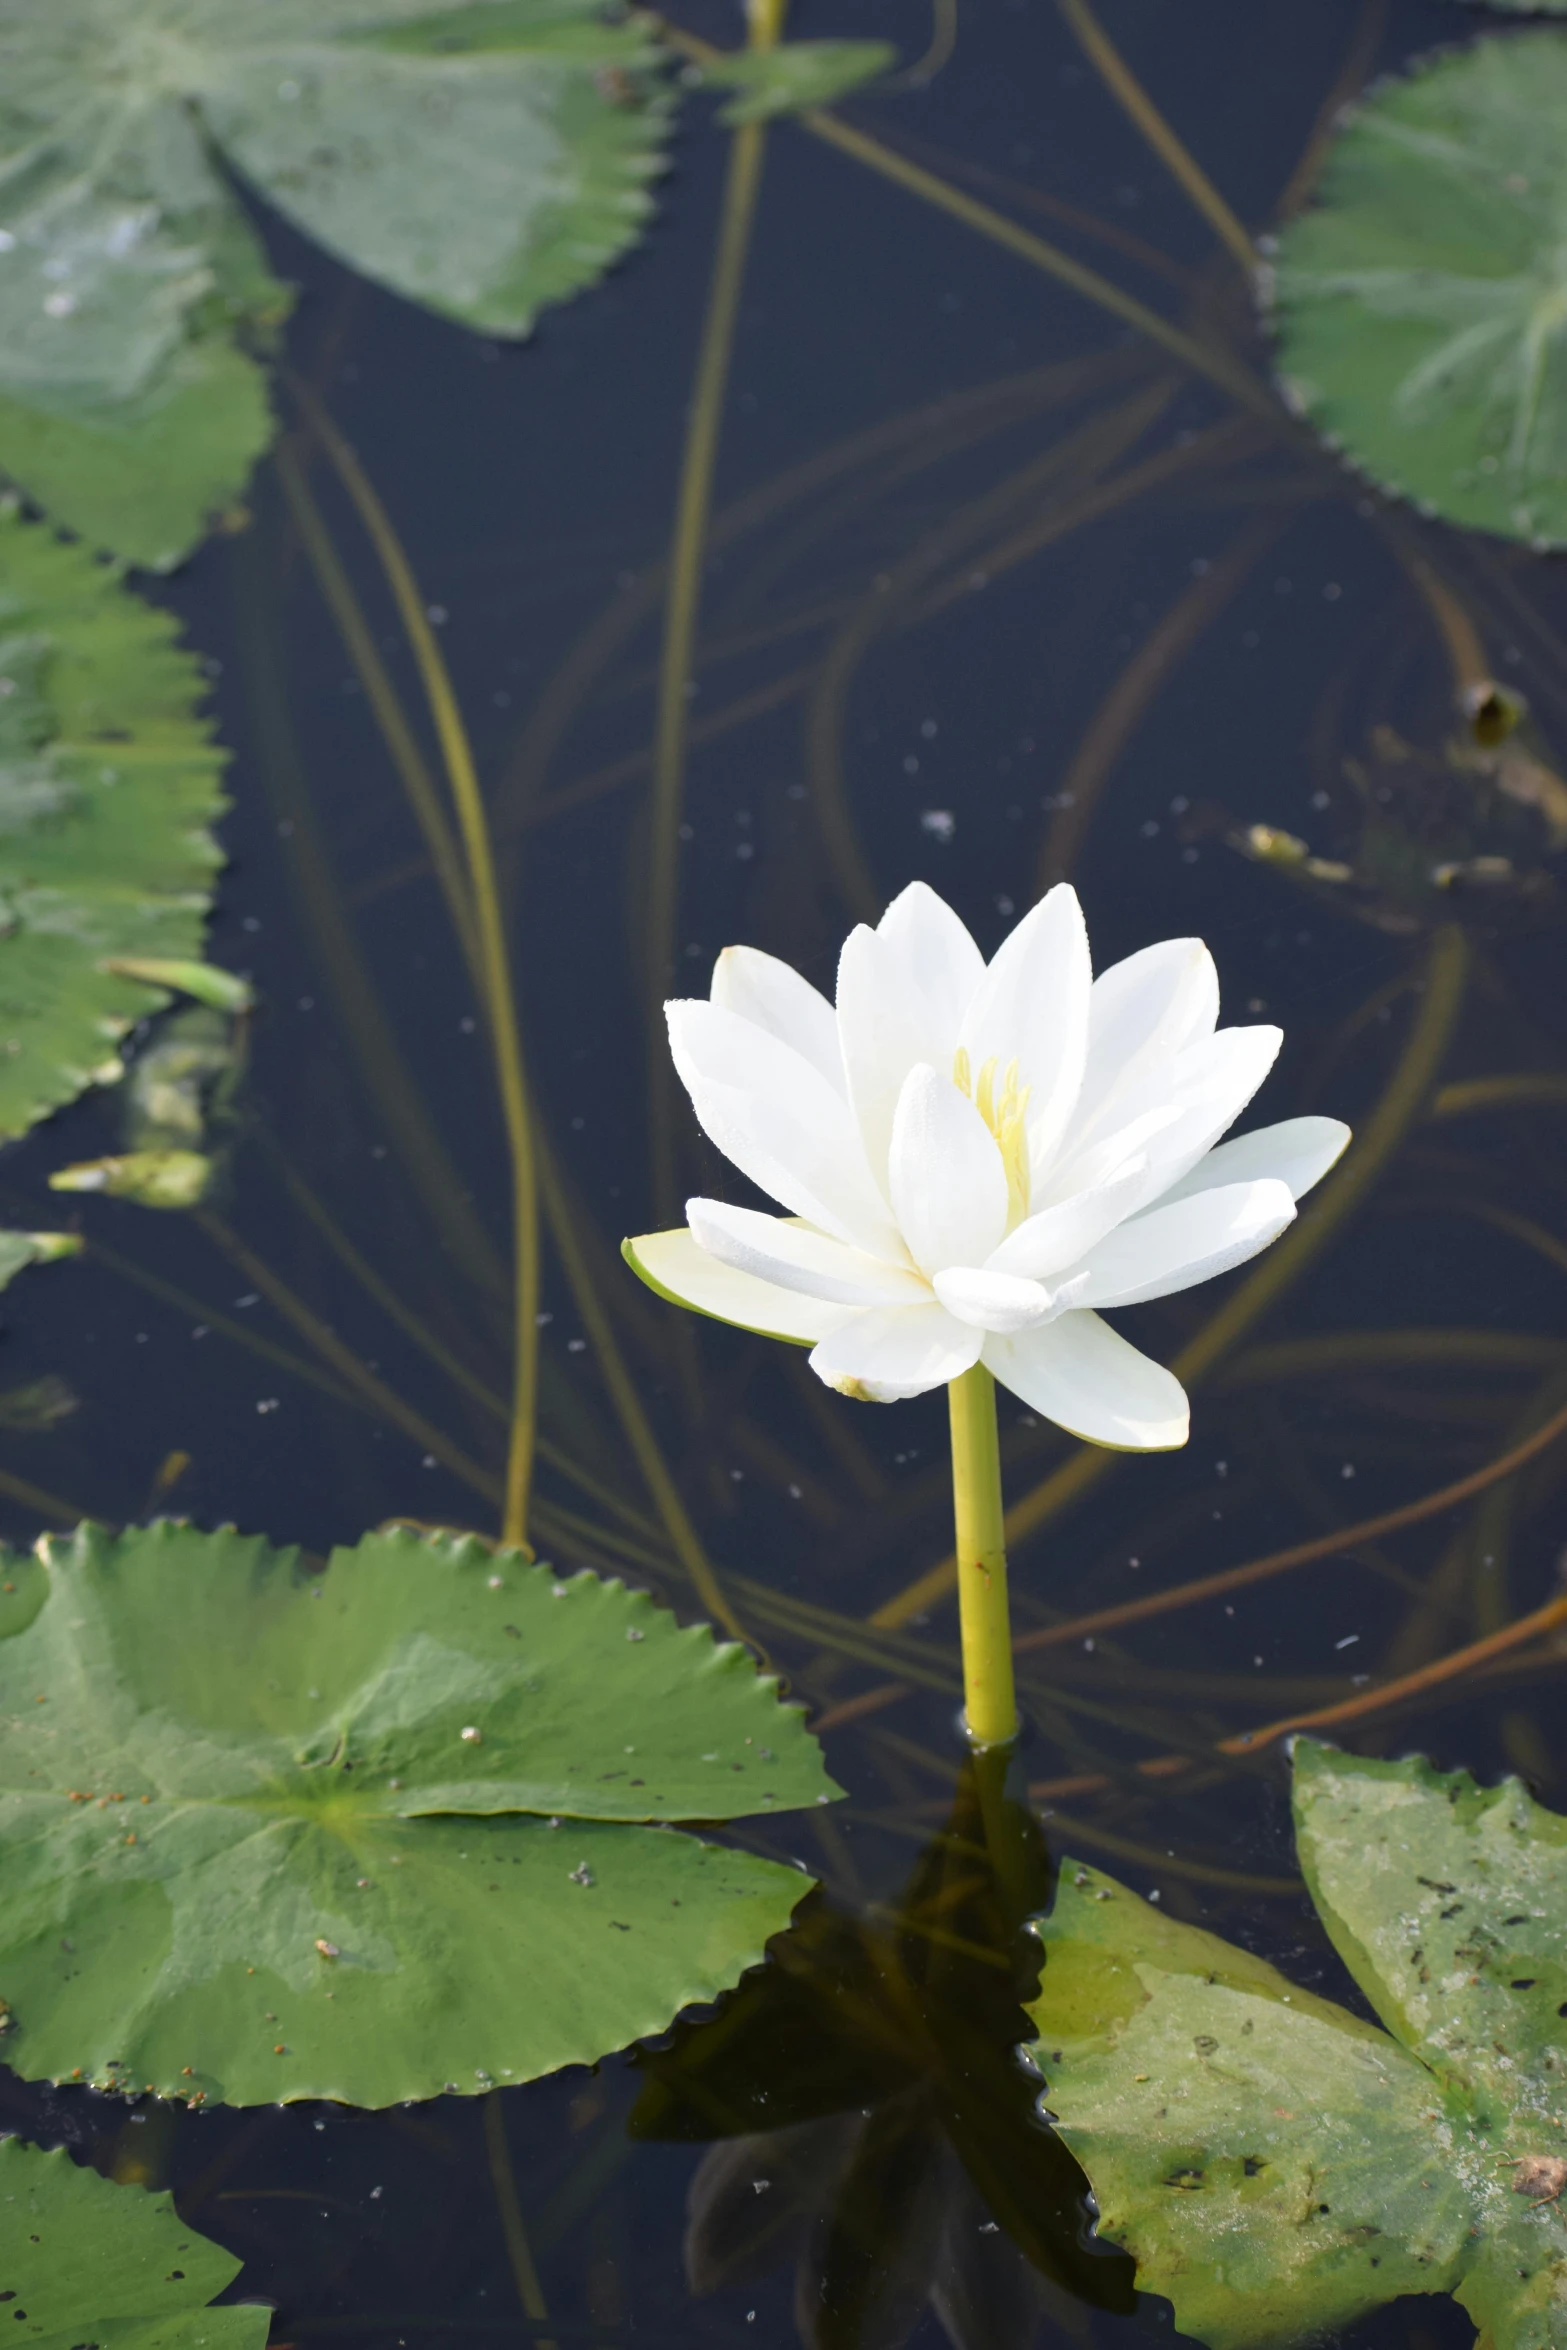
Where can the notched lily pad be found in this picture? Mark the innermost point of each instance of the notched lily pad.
(1278, 2167)
(482, 157)
(374, 1833)
(1423, 302)
(108, 782)
(83, 2262)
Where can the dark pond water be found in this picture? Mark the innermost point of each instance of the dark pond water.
(998, 590)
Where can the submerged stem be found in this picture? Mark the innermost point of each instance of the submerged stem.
(1172, 152)
(500, 1003)
(989, 1701)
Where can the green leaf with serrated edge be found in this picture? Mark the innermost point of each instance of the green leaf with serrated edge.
(396, 1835)
(82, 2261)
(108, 780)
(1422, 302)
(1278, 2167)
(483, 158)
(144, 476)
(795, 75)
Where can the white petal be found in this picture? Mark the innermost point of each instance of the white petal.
(930, 950)
(902, 991)
(1059, 1235)
(992, 1301)
(794, 1257)
(1212, 1083)
(944, 1173)
(1174, 1248)
(773, 996)
(674, 1266)
(1032, 1008)
(1084, 1376)
(1142, 1012)
(892, 1352)
(1108, 1159)
(1175, 1114)
(1298, 1152)
(780, 1122)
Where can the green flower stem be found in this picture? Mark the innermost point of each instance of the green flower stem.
(989, 1701)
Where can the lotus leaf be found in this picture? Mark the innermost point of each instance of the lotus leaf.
(372, 1833)
(108, 780)
(479, 156)
(82, 2261)
(1423, 302)
(1278, 2167)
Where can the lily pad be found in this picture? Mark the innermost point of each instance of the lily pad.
(394, 1828)
(1278, 2167)
(1423, 302)
(82, 2261)
(483, 157)
(793, 76)
(108, 780)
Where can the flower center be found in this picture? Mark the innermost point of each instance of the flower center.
(1003, 1114)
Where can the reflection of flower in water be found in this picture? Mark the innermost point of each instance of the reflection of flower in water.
(878, 2218)
(868, 2120)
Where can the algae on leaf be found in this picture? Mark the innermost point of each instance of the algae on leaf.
(1278, 2167)
(1422, 302)
(374, 1833)
(82, 2261)
(483, 157)
(108, 781)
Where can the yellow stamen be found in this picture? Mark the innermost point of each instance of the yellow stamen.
(984, 1093)
(1004, 1117)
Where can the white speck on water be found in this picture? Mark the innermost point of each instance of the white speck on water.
(940, 823)
(1348, 1640)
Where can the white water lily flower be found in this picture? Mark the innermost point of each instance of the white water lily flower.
(975, 1159)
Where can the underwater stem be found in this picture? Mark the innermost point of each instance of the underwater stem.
(989, 1701)
(500, 1005)
(1129, 93)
